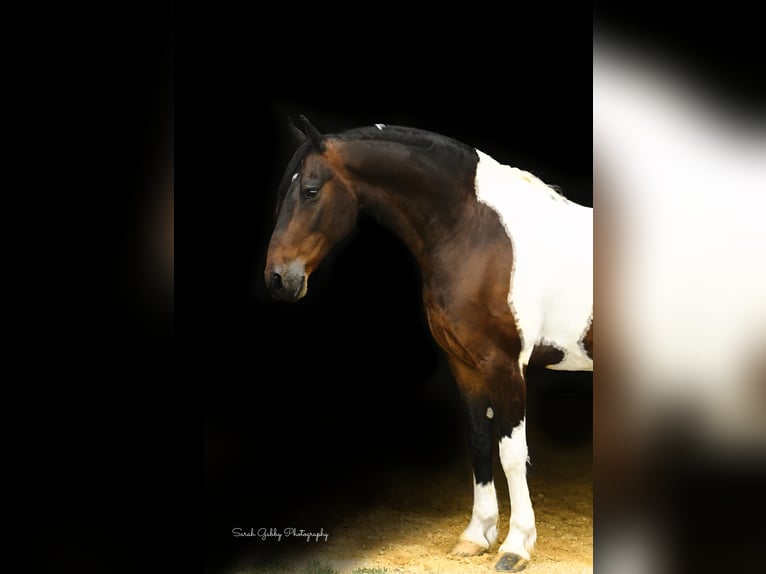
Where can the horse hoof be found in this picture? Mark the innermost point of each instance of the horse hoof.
(511, 563)
(465, 548)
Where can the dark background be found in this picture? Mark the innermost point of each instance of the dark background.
(298, 408)
(296, 401)
(102, 428)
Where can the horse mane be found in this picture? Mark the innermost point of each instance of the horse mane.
(401, 134)
(426, 140)
(412, 137)
(408, 136)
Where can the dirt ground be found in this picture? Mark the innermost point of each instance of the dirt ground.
(414, 522)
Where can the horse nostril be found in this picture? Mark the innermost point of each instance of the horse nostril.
(276, 281)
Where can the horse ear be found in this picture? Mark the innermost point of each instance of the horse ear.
(313, 134)
(296, 135)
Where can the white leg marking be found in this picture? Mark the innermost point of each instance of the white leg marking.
(482, 529)
(513, 456)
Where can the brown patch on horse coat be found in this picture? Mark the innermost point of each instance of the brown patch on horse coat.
(587, 341)
(468, 310)
(544, 355)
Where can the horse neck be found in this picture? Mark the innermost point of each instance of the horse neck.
(419, 194)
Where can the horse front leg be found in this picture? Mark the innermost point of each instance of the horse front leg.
(481, 531)
(510, 408)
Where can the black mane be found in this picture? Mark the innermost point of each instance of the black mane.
(402, 135)
(413, 137)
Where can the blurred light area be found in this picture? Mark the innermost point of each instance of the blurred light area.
(680, 247)
(159, 238)
(686, 184)
(149, 274)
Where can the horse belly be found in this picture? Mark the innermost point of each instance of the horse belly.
(561, 343)
(553, 307)
(574, 356)
(568, 320)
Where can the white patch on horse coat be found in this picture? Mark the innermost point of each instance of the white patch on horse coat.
(490, 413)
(482, 529)
(522, 533)
(295, 176)
(380, 126)
(551, 289)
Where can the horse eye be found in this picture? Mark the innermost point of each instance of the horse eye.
(311, 192)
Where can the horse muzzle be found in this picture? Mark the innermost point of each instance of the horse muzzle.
(287, 282)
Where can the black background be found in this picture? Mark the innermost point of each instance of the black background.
(131, 432)
(107, 414)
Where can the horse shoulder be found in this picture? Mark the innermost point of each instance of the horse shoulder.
(468, 313)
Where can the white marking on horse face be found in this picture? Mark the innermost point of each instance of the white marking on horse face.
(380, 126)
(295, 176)
(482, 529)
(490, 413)
(522, 533)
(551, 288)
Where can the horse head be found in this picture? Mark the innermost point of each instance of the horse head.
(316, 208)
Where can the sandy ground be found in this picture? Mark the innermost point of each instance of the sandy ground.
(416, 519)
(415, 524)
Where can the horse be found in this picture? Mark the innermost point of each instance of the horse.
(507, 276)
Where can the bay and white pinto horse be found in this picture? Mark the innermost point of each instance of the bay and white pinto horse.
(507, 273)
